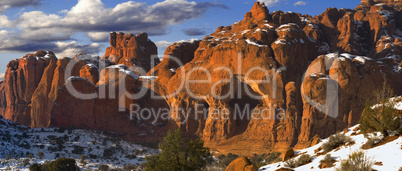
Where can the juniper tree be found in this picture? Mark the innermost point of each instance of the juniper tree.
(379, 113)
(178, 153)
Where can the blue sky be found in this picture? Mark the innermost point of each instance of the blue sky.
(70, 26)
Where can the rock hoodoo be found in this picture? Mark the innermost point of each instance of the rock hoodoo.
(132, 50)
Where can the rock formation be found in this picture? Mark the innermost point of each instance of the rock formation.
(241, 164)
(135, 51)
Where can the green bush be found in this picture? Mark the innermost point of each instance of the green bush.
(108, 153)
(357, 160)
(381, 117)
(224, 161)
(64, 164)
(130, 167)
(272, 157)
(103, 168)
(25, 162)
(41, 155)
(131, 156)
(35, 167)
(335, 141)
(178, 153)
(258, 160)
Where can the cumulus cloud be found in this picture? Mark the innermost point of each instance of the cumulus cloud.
(4, 22)
(69, 49)
(98, 36)
(2, 76)
(163, 44)
(271, 3)
(299, 3)
(194, 31)
(36, 29)
(6, 4)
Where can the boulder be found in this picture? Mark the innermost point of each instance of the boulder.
(287, 154)
(241, 164)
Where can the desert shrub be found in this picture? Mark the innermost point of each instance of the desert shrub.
(92, 156)
(130, 167)
(357, 160)
(24, 135)
(131, 156)
(335, 141)
(272, 157)
(381, 117)
(61, 130)
(258, 160)
(82, 159)
(64, 164)
(29, 155)
(327, 158)
(178, 153)
(373, 140)
(153, 145)
(108, 152)
(296, 162)
(25, 145)
(25, 162)
(292, 163)
(103, 168)
(34, 167)
(77, 149)
(76, 138)
(303, 159)
(224, 161)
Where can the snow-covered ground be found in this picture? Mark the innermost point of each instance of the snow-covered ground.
(390, 154)
(17, 141)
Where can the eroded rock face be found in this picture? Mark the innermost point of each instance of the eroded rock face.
(334, 92)
(132, 50)
(21, 79)
(176, 55)
(285, 45)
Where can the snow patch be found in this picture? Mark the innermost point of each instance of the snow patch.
(126, 70)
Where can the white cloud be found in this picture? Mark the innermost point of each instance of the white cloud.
(6, 4)
(299, 3)
(98, 36)
(2, 76)
(36, 29)
(271, 3)
(163, 44)
(4, 22)
(69, 49)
